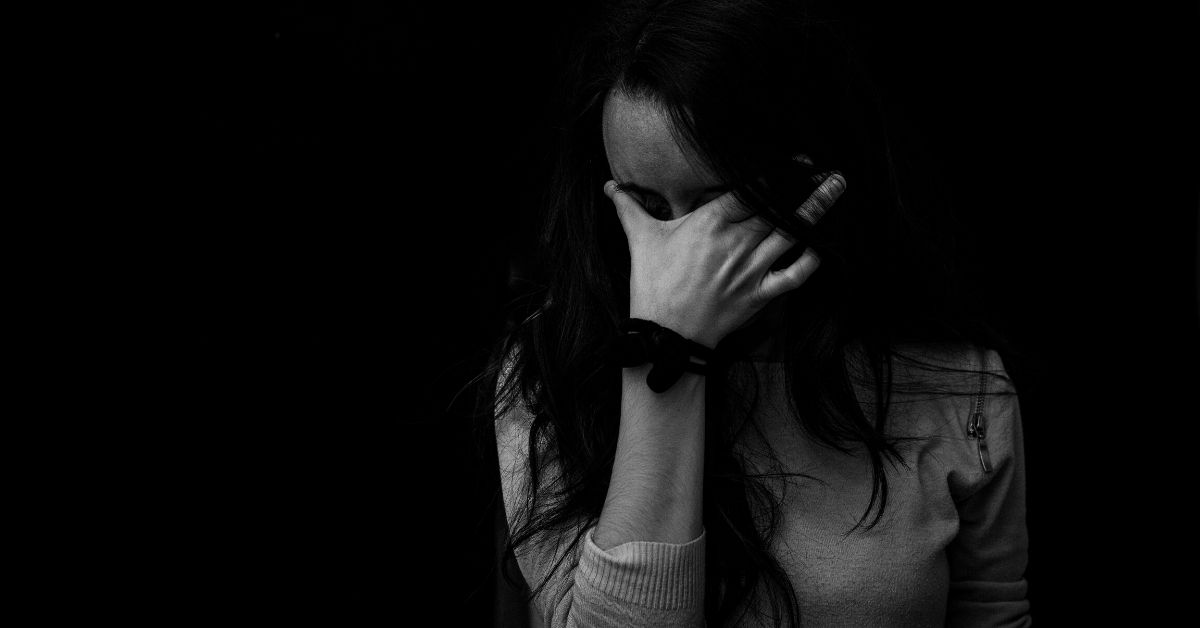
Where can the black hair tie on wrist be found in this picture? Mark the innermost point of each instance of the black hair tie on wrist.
(643, 341)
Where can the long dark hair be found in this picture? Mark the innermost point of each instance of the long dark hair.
(746, 83)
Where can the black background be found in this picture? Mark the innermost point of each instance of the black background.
(352, 180)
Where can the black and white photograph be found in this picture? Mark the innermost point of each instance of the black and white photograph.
(681, 313)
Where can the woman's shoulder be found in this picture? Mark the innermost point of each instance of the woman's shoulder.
(937, 389)
(974, 430)
(951, 355)
(941, 367)
(512, 414)
(512, 422)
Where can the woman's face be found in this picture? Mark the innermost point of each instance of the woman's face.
(648, 163)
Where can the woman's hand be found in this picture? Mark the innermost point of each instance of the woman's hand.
(705, 274)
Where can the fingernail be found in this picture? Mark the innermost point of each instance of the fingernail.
(824, 175)
(836, 180)
(610, 188)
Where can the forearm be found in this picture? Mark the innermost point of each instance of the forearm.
(657, 484)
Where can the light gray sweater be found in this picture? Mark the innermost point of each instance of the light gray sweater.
(951, 548)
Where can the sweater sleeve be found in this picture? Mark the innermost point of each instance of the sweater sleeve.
(639, 583)
(989, 555)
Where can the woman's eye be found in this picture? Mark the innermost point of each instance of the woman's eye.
(658, 208)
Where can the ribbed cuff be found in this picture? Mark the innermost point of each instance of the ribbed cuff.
(648, 573)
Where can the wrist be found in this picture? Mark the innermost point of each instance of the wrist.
(689, 386)
(690, 330)
(666, 353)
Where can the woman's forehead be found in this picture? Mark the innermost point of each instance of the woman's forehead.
(641, 147)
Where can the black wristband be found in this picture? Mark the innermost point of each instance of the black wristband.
(643, 341)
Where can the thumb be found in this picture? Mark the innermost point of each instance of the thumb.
(633, 218)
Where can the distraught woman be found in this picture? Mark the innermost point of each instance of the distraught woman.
(747, 393)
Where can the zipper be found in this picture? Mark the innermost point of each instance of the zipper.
(977, 427)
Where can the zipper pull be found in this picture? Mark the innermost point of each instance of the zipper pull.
(977, 429)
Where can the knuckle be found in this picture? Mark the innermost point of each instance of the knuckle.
(795, 275)
(833, 187)
(824, 198)
(790, 279)
(811, 212)
(711, 220)
(821, 200)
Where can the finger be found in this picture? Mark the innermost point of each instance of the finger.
(778, 179)
(729, 210)
(811, 211)
(633, 218)
(815, 206)
(786, 279)
(726, 208)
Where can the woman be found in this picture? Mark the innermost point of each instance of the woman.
(851, 453)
